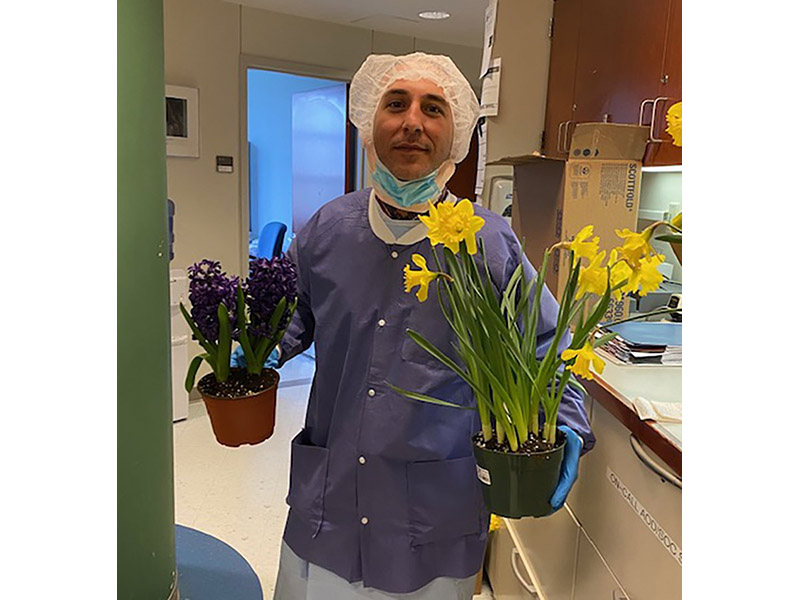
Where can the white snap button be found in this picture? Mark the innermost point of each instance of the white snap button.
(381, 322)
(394, 254)
(362, 460)
(371, 392)
(364, 520)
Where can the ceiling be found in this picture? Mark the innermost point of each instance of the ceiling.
(464, 27)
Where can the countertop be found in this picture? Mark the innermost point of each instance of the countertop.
(615, 390)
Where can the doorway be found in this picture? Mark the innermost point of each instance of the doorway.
(297, 140)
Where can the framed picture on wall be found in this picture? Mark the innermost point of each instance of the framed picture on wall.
(183, 135)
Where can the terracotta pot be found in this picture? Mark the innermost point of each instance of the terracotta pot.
(519, 485)
(244, 420)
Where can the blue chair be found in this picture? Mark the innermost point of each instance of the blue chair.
(270, 241)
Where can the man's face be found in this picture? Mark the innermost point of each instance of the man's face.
(413, 128)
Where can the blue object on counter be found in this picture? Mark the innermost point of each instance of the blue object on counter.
(648, 333)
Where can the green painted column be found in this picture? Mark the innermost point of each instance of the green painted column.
(145, 497)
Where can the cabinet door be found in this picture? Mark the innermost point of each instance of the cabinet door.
(593, 581)
(561, 78)
(549, 545)
(620, 57)
(601, 44)
(501, 559)
(670, 82)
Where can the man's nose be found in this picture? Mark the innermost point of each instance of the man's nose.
(413, 118)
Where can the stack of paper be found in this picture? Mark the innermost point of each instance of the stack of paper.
(644, 343)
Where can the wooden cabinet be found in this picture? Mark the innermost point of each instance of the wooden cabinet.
(607, 57)
(665, 152)
(561, 77)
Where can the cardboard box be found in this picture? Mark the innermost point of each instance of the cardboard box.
(599, 184)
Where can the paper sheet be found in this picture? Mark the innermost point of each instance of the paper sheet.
(480, 175)
(490, 92)
(661, 412)
(488, 35)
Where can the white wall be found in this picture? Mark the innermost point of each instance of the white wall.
(203, 42)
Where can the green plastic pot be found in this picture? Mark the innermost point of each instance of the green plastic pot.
(519, 485)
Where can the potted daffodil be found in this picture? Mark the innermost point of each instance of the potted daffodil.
(518, 394)
(240, 401)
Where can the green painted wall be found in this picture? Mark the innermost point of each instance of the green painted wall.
(145, 498)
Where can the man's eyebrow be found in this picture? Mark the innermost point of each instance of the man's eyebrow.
(402, 92)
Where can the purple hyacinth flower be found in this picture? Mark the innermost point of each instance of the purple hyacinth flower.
(268, 282)
(208, 286)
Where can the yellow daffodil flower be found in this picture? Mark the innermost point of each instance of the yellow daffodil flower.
(449, 223)
(495, 523)
(620, 271)
(594, 278)
(582, 247)
(648, 277)
(584, 356)
(421, 278)
(675, 123)
(636, 245)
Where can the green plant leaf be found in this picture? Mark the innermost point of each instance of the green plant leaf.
(276, 316)
(670, 237)
(191, 374)
(224, 351)
(244, 338)
(428, 399)
(436, 353)
(207, 345)
(603, 339)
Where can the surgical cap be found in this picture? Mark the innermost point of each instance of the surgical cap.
(380, 71)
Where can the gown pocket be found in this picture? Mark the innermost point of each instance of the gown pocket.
(444, 500)
(307, 477)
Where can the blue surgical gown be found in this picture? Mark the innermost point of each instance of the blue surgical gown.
(383, 489)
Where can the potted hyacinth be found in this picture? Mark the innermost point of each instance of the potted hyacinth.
(517, 393)
(240, 401)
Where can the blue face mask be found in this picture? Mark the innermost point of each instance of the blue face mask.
(406, 193)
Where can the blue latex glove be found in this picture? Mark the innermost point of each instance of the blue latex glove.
(238, 360)
(569, 467)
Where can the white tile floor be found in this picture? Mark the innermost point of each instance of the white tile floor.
(239, 494)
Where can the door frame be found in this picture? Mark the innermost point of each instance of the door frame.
(251, 61)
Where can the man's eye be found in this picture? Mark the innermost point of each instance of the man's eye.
(435, 109)
(394, 104)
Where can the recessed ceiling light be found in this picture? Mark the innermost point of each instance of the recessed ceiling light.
(434, 14)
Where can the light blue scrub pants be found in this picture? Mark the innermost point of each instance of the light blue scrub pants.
(300, 580)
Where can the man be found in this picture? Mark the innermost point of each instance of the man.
(384, 497)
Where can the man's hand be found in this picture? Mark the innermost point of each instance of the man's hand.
(238, 360)
(569, 467)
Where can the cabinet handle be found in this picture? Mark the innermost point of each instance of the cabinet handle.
(641, 110)
(653, 120)
(529, 587)
(558, 141)
(653, 466)
(566, 125)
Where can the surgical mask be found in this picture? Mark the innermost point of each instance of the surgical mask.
(414, 194)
